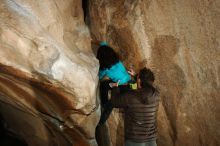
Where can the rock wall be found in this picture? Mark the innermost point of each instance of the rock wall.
(179, 40)
(48, 73)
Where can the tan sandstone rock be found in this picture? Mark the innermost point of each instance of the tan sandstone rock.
(180, 41)
(48, 72)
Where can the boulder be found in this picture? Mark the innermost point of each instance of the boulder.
(179, 41)
(48, 73)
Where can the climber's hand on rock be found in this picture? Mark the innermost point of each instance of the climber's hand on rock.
(112, 85)
(95, 41)
(131, 72)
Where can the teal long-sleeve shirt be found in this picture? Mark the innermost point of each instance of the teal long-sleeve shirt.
(115, 73)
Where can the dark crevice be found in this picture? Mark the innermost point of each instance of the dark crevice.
(9, 138)
(85, 7)
(102, 134)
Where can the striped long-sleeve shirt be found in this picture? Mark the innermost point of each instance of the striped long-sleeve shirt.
(140, 113)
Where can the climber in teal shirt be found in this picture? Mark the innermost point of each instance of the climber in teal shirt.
(117, 73)
(111, 71)
(110, 65)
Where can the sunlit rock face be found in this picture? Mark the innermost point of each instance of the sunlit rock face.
(179, 40)
(48, 72)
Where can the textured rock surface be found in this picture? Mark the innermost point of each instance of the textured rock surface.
(48, 73)
(180, 41)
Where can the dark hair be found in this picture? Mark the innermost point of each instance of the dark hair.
(107, 57)
(147, 77)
